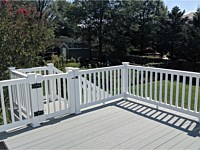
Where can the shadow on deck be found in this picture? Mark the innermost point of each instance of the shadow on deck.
(190, 126)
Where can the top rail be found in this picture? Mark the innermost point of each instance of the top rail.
(100, 69)
(13, 81)
(24, 70)
(60, 75)
(56, 70)
(160, 70)
(18, 74)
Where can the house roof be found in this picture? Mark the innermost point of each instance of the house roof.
(63, 44)
(189, 15)
(69, 40)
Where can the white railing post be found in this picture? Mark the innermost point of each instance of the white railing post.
(74, 90)
(10, 71)
(33, 99)
(125, 79)
(68, 68)
(50, 67)
(53, 83)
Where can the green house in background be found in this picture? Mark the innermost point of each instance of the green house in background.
(74, 52)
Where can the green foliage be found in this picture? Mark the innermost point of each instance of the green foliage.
(60, 62)
(73, 64)
(23, 36)
(116, 29)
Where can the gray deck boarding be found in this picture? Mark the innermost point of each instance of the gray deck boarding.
(119, 125)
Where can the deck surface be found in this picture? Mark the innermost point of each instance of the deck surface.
(119, 125)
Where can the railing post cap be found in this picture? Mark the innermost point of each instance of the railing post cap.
(125, 63)
(70, 73)
(50, 64)
(11, 68)
(76, 69)
(71, 68)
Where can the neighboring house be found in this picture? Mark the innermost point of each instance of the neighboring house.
(64, 49)
(68, 47)
(69, 52)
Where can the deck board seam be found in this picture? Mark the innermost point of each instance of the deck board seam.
(94, 124)
(139, 135)
(116, 129)
(74, 129)
(63, 124)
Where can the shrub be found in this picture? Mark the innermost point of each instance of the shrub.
(23, 35)
(73, 64)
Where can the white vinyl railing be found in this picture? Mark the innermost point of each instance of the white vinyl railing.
(34, 95)
(15, 103)
(45, 70)
(100, 84)
(173, 89)
(15, 74)
(56, 93)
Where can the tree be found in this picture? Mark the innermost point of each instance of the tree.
(196, 18)
(62, 15)
(23, 36)
(175, 23)
(146, 14)
(193, 48)
(92, 19)
(42, 7)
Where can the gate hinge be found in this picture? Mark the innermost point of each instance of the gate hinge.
(76, 77)
(36, 85)
(38, 113)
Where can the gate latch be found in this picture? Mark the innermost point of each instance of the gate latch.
(36, 85)
(39, 113)
(76, 77)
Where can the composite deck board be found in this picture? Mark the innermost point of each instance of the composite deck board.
(173, 142)
(194, 145)
(161, 141)
(142, 140)
(87, 135)
(99, 127)
(184, 143)
(111, 138)
(78, 120)
(121, 125)
(58, 130)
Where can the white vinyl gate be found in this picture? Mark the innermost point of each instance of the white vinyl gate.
(34, 98)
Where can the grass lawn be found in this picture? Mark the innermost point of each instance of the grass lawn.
(168, 93)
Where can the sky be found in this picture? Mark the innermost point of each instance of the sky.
(188, 5)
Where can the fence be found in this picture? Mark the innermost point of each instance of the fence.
(176, 90)
(34, 95)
